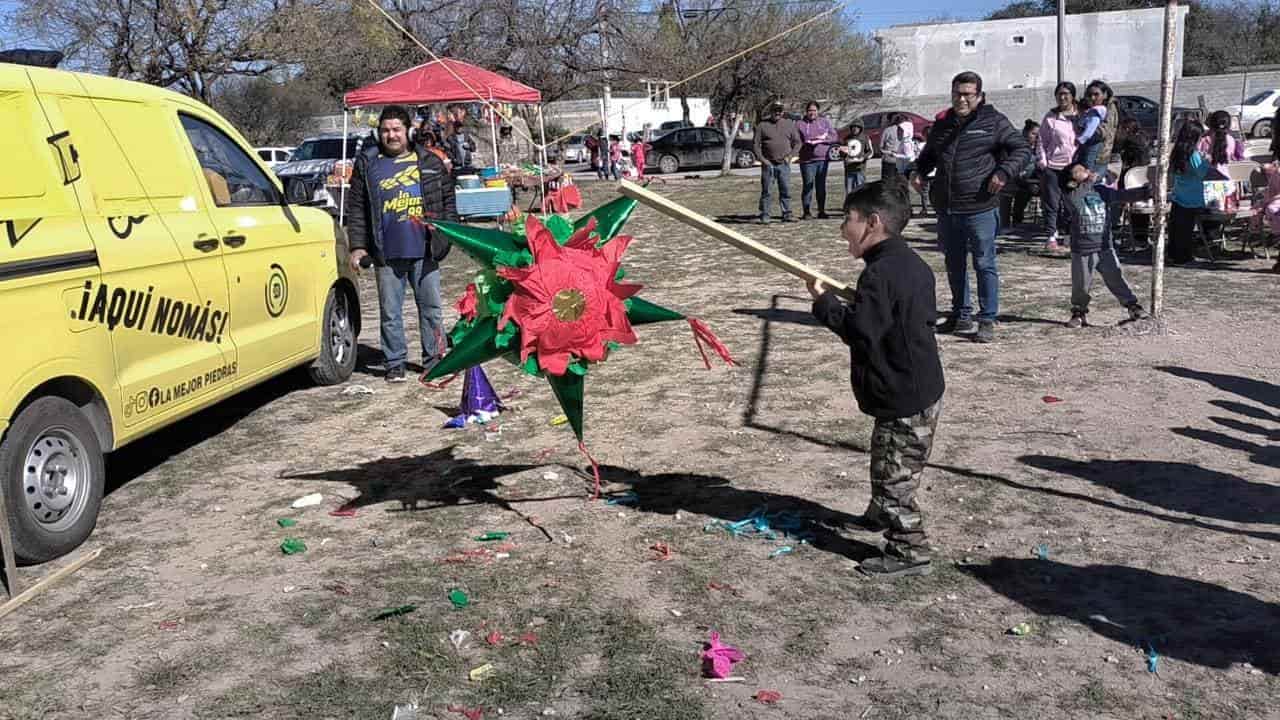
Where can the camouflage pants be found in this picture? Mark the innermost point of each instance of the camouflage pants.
(899, 450)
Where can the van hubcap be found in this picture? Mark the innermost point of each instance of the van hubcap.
(56, 479)
(339, 330)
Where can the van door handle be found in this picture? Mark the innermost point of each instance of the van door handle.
(206, 244)
(234, 241)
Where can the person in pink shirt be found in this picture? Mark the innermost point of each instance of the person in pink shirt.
(1219, 145)
(1054, 152)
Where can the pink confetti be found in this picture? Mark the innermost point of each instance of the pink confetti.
(718, 659)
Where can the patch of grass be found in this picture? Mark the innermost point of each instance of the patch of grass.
(1096, 697)
(998, 661)
(168, 674)
(332, 691)
(642, 677)
(24, 696)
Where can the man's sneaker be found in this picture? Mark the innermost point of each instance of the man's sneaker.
(1136, 312)
(957, 326)
(1076, 321)
(806, 215)
(788, 218)
(887, 566)
(986, 332)
(1052, 247)
(395, 374)
(822, 215)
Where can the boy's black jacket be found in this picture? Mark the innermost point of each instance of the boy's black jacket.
(895, 368)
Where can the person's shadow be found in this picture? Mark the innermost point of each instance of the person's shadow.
(1181, 618)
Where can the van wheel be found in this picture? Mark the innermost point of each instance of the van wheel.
(52, 471)
(337, 341)
(668, 164)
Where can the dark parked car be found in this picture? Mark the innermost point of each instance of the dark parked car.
(873, 125)
(695, 147)
(1147, 112)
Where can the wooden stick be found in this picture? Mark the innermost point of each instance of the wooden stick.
(12, 586)
(46, 582)
(732, 237)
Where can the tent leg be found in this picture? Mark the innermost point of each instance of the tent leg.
(542, 177)
(493, 128)
(342, 191)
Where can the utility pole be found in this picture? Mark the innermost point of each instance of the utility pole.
(1162, 161)
(607, 90)
(1062, 40)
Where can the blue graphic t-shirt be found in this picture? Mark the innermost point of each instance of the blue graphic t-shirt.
(399, 197)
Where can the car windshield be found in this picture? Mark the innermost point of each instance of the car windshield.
(1259, 98)
(577, 140)
(323, 149)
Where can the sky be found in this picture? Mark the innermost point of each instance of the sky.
(875, 15)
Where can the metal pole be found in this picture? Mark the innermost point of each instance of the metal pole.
(1162, 160)
(1062, 41)
(608, 91)
(342, 186)
(493, 129)
(542, 171)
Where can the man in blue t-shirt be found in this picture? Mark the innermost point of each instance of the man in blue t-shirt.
(395, 191)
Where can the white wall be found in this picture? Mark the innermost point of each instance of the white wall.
(1125, 46)
(634, 112)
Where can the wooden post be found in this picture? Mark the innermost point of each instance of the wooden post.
(731, 237)
(6, 545)
(1162, 161)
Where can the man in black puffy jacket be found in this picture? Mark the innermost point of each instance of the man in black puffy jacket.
(975, 151)
(396, 190)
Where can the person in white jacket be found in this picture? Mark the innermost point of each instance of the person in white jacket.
(897, 147)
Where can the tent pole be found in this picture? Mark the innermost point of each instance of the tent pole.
(493, 128)
(542, 170)
(342, 185)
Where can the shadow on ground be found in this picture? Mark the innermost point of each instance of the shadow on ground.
(1106, 504)
(440, 479)
(1189, 620)
(1180, 487)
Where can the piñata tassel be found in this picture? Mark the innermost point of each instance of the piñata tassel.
(595, 468)
(702, 333)
(438, 385)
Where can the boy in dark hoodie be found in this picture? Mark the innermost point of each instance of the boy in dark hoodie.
(1088, 198)
(894, 367)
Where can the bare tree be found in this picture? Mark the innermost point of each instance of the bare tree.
(822, 60)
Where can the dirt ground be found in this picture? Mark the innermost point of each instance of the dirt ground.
(1140, 513)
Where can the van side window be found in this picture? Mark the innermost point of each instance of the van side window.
(233, 177)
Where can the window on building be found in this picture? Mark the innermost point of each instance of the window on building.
(970, 43)
(1019, 39)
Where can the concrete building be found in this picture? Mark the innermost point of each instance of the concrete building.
(1123, 46)
(627, 111)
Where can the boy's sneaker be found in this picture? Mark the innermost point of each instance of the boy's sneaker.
(788, 218)
(957, 326)
(1136, 312)
(986, 332)
(1076, 321)
(395, 374)
(887, 566)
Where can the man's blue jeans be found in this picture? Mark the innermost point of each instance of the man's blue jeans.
(962, 235)
(423, 275)
(814, 176)
(781, 174)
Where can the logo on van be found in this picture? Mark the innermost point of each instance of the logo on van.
(277, 291)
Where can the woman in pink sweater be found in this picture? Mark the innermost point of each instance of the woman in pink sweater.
(1219, 145)
(1054, 152)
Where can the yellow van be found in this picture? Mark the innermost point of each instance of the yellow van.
(149, 267)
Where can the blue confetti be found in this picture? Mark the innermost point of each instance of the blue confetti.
(1042, 551)
(1153, 660)
(784, 550)
(627, 498)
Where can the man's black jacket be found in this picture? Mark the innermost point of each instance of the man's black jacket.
(894, 364)
(966, 152)
(363, 218)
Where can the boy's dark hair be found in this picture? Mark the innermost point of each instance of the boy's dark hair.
(1101, 87)
(966, 77)
(1028, 126)
(1065, 181)
(886, 198)
(394, 112)
(812, 104)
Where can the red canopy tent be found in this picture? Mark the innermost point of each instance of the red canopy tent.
(434, 83)
(442, 81)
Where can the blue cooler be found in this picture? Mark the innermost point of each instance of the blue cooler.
(483, 202)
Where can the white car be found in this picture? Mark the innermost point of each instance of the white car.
(1256, 113)
(575, 150)
(274, 156)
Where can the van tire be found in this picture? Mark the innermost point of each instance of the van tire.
(337, 341)
(51, 435)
